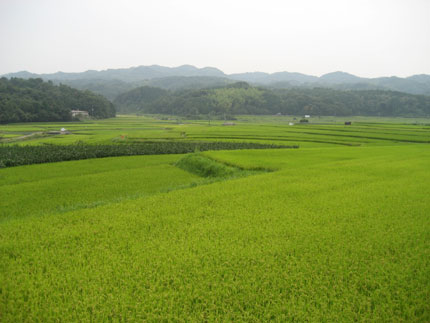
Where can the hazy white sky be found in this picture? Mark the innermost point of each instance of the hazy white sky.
(365, 37)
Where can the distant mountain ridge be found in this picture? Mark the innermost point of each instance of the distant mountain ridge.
(172, 78)
(131, 74)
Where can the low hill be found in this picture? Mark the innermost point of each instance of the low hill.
(138, 99)
(242, 98)
(110, 89)
(176, 83)
(35, 100)
(339, 78)
(267, 79)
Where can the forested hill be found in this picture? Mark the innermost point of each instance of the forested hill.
(110, 89)
(241, 98)
(139, 99)
(113, 82)
(35, 100)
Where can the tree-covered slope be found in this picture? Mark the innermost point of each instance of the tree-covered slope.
(138, 99)
(241, 98)
(110, 89)
(35, 100)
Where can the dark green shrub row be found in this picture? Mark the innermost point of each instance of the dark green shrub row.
(26, 155)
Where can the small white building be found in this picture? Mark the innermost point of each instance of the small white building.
(307, 116)
(291, 124)
(79, 113)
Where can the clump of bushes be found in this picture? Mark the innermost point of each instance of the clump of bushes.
(205, 167)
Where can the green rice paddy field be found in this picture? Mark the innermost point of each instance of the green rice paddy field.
(335, 231)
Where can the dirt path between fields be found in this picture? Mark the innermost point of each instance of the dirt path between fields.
(20, 138)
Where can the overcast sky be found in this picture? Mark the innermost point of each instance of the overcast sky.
(368, 38)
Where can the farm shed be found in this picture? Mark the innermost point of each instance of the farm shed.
(79, 113)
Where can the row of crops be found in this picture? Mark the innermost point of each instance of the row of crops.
(27, 155)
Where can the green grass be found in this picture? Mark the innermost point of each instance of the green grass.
(41, 189)
(333, 233)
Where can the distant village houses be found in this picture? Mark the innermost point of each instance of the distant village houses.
(79, 113)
